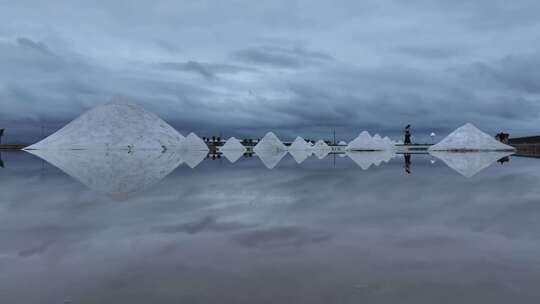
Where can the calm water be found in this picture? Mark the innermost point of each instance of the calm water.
(325, 231)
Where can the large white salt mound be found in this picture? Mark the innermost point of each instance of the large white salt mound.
(364, 142)
(469, 164)
(321, 149)
(469, 138)
(117, 125)
(299, 144)
(269, 142)
(270, 150)
(193, 142)
(300, 149)
(232, 149)
(388, 142)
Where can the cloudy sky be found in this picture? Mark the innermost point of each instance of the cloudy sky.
(294, 67)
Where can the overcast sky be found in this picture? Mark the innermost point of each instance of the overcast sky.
(293, 67)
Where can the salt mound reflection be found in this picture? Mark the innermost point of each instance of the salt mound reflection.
(117, 173)
(469, 164)
(366, 159)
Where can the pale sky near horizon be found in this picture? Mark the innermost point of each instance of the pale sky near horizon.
(293, 67)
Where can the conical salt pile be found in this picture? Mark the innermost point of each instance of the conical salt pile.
(232, 149)
(469, 138)
(113, 126)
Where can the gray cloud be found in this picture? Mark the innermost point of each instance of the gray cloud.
(279, 237)
(208, 223)
(283, 57)
(37, 46)
(300, 68)
(207, 70)
(35, 250)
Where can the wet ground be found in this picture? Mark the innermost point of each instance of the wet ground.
(155, 230)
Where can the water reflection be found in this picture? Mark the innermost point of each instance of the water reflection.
(366, 159)
(407, 159)
(121, 173)
(271, 157)
(118, 173)
(300, 155)
(192, 158)
(243, 234)
(470, 163)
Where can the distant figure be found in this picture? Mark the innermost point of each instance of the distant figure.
(407, 158)
(407, 140)
(1, 134)
(502, 137)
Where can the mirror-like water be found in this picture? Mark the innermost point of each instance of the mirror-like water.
(141, 228)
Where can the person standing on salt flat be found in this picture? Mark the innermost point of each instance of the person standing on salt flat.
(407, 140)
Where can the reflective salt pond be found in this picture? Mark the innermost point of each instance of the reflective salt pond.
(176, 228)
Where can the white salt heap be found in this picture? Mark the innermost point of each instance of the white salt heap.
(364, 142)
(300, 149)
(232, 149)
(321, 149)
(299, 144)
(193, 142)
(469, 138)
(269, 142)
(270, 150)
(117, 125)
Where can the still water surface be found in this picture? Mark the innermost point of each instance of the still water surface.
(324, 231)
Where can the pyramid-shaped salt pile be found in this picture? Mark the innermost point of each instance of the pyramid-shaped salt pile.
(270, 150)
(193, 142)
(269, 142)
(321, 149)
(469, 138)
(117, 125)
(364, 142)
(300, 149)
(299, 144)
(232, 149)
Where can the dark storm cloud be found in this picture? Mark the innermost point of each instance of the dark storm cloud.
(208, 223)
(281, 237)
(281, 56)
(207, 70)
(298, 68)
(431, 53)
(38, 46)
(35, 250)
(518, 73)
